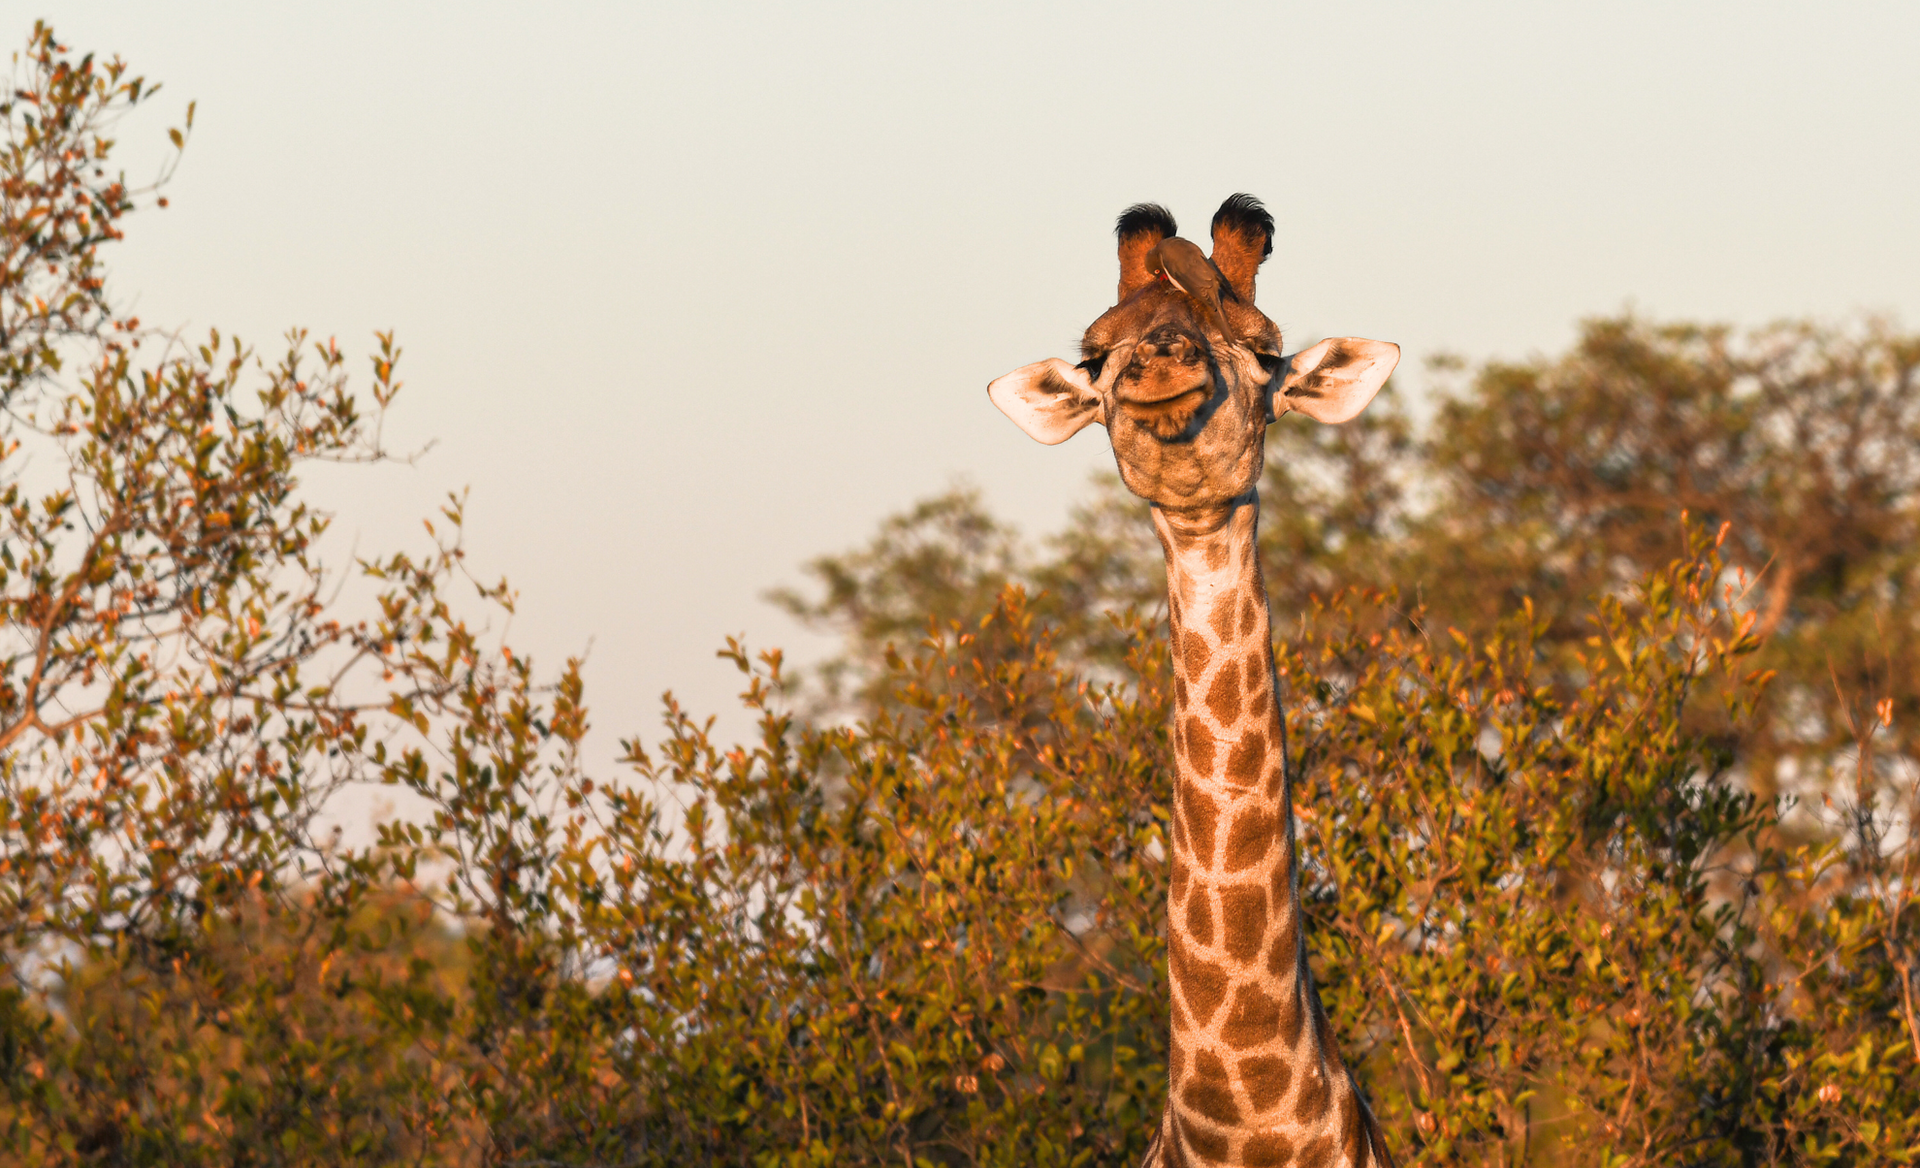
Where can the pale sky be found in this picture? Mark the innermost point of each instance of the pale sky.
(691, 293)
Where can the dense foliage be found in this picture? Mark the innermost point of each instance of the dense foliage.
(1561, 913)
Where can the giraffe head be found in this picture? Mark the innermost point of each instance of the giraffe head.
(1184, 371)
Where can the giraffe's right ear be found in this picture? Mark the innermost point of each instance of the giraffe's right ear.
(1051, 400)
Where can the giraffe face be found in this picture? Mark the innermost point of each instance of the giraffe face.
(1184, 372)
(1184, 399)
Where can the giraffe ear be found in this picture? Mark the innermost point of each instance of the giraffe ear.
(1335, 379)
(1051, 400)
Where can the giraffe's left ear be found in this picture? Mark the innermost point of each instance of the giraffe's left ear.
(1335, 379)
(1051, 400)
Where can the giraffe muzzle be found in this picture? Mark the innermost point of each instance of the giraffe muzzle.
(1165, 406)
(1165, 371)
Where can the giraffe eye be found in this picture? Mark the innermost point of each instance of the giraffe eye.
(1271, 362)
(1093, 364)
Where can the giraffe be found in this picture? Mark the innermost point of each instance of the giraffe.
(1186, 375)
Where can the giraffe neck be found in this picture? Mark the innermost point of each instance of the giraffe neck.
(1254, 1076)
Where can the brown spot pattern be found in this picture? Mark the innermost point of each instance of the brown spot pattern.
(1221, 621)
(1213, 1100)
(1265, 1080)
(1202, 983)
(1253, 1021)
(1211, 1067)
(1244, 761)
(1284, 956)
(1202, 815)
(1200, 917)
(1318, 1154)
(1208, 1144)
(1310, 1101)
(1251, 838)
(1276, 776)
(1260, 705)
(1199, 747)
(1194, 648)
(1266, 1150)
(1224, 698)
(1290, 1016)
(1243, 915)
(1282, 878)
(1247, 619)
(1209, 1090)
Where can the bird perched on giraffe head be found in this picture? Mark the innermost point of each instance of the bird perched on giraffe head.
(1180, 262)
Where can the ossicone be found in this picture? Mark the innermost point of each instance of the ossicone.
(1139, 228)
(1242, 239)
(1142, 218)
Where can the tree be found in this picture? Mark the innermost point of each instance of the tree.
(1558, 480)
(947, 559)
(178, 702)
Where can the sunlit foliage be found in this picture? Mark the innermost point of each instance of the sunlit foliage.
(1557, 914)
